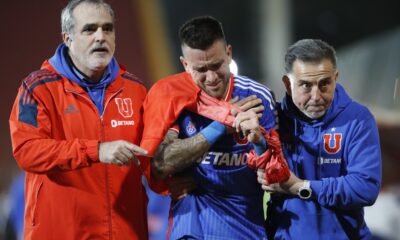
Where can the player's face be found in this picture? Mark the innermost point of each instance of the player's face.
(92, 44)
(312, 86)
(209, 68)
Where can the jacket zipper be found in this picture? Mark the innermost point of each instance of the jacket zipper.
(106, 169)
(108, 198)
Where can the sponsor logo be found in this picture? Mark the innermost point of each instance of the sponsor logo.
(332, 142)
(124, 107)
(117, 123)
(71, 109)
(223, 159)
(330, 160)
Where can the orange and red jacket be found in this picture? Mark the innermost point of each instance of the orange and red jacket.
(56, 130)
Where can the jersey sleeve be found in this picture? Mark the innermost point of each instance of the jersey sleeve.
(270, 114)
(33, 146)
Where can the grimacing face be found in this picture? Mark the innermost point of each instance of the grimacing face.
(92, 44)
(312, 86)
(209, 68)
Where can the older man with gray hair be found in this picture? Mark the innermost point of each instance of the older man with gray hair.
(75, 127)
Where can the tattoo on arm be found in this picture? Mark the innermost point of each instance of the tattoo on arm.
(173, 154)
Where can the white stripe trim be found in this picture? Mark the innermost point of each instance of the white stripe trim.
(256, 87)
(260, 86)
(268, 98)
(246, 79)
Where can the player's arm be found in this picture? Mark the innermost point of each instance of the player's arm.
(173, 154)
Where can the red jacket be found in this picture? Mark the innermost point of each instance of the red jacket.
(55, 131)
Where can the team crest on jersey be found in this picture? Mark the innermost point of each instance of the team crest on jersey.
(190, 128)
(124, 107)
(332, 142)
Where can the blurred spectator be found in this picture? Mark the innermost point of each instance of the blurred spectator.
(383, 218)
(157, 213)
(15, 222)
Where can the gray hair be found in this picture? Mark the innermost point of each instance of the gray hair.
(67, 19)
(309, 50)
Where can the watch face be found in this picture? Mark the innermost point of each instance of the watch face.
(305, 193)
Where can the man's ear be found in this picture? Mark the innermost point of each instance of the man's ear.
(286, 82)
(229, 52)
(336, 75)
(67, 39)
(184, 63)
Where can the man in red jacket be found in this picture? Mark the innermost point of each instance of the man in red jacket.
(75, 126)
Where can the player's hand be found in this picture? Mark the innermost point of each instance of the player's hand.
(180, 187)
(248, 124)
(252, 103)
(120, 152)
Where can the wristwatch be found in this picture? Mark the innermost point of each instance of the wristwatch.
(305, 190)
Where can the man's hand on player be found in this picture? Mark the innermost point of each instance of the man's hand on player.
(120, 152)
(250, 103)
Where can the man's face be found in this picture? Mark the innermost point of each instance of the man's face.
(209, 68)
(92, 43)
(312, 86)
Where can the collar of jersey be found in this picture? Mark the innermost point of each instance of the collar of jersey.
(228, 95)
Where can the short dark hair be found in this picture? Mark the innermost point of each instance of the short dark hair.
(201, 32)
(309, 50)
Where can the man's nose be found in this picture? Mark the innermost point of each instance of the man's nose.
(211, 76)
(99, 35)
(315, 94)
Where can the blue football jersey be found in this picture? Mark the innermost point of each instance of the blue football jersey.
(228, 201)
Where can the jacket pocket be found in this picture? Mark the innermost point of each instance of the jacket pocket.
(34, 207)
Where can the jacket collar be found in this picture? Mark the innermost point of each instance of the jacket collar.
(113, 87)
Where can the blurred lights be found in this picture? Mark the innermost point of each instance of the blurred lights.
(234, 67)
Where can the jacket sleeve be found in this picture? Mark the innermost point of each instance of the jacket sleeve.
(360, 185)
(33, 146)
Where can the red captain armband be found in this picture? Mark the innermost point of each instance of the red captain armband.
(272, 160)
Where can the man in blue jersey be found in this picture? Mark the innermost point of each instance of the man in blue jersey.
(331, 144)
(227, 203)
